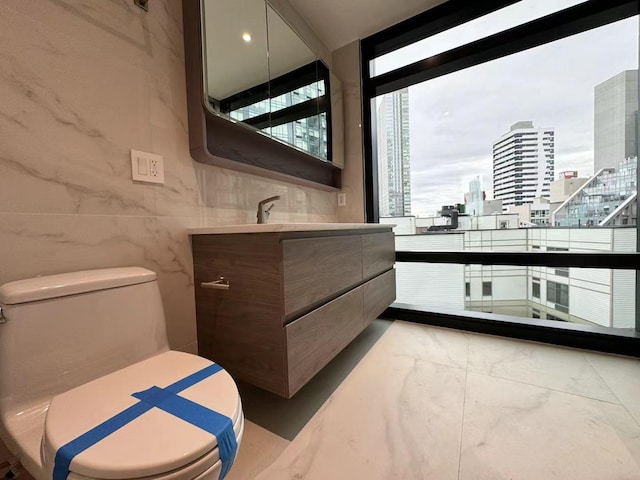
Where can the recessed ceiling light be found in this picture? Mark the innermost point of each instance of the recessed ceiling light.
(246, 37)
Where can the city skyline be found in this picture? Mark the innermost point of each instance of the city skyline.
(452, 135)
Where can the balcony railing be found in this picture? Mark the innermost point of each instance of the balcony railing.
(443, 281)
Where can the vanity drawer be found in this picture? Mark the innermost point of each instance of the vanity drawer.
(379, 293)
(378, 253)
(314, 339)
(314, 269)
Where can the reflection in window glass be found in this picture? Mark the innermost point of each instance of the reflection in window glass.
(289, 99)
(308, 134)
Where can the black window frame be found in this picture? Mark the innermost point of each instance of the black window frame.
(565, 23)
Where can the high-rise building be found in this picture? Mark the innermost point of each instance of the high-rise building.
(394, 168)
(615, 120)
(609, 198)
(606, 199)
(523, 164)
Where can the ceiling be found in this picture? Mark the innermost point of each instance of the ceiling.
(339, 22)
(234, 65)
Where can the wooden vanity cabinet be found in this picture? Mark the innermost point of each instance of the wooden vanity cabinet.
(295, 299)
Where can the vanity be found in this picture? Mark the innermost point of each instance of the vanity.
(275, 303)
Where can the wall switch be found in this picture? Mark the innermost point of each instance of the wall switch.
(342, 199)
(147, 167)
(143, 166)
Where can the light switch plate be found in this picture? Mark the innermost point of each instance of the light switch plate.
(147, 167)
(342, 199)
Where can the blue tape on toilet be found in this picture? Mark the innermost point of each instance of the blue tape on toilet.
(166, 399)
(213, 422)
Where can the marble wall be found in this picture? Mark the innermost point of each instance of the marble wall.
(82, 82)
(346, 65)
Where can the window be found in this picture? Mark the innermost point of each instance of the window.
(558, 293)
(535, 313)
(523, 144)
(467, 289)
(535, 288)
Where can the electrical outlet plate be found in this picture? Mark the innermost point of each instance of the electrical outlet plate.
(147, 167)
(342, 199)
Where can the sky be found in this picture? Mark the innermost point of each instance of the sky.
(455, 119)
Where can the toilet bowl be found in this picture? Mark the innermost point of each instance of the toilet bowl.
(90, 390)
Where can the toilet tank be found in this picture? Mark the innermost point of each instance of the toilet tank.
(64, 330)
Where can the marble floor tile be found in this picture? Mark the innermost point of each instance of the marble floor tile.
(411, 409)
(397, 415)
(517, 431)
(443, 346)
(622, 375)
(548, 366)
(258, 450)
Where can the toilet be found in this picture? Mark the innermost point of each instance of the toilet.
(90, 390)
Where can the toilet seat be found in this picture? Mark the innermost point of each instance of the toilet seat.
(154, 444)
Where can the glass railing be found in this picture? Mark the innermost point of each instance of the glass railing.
(603, 297)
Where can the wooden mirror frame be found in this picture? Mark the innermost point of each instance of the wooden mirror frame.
(217, 141)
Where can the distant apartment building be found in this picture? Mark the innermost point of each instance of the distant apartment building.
(394, 167)
(537, 213)
(523, 164)
(615, 120)
(567, 184)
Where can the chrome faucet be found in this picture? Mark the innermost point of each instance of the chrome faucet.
(263, 211)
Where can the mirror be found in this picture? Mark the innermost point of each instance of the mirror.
(261, 74)
(235, 49)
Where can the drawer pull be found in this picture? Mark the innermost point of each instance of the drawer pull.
(220, 284)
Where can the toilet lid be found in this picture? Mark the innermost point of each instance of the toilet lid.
(154, 442)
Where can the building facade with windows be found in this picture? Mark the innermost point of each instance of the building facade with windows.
(394, 156)
(615, 120)
(523, 164)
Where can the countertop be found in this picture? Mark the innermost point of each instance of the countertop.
(285, 227)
